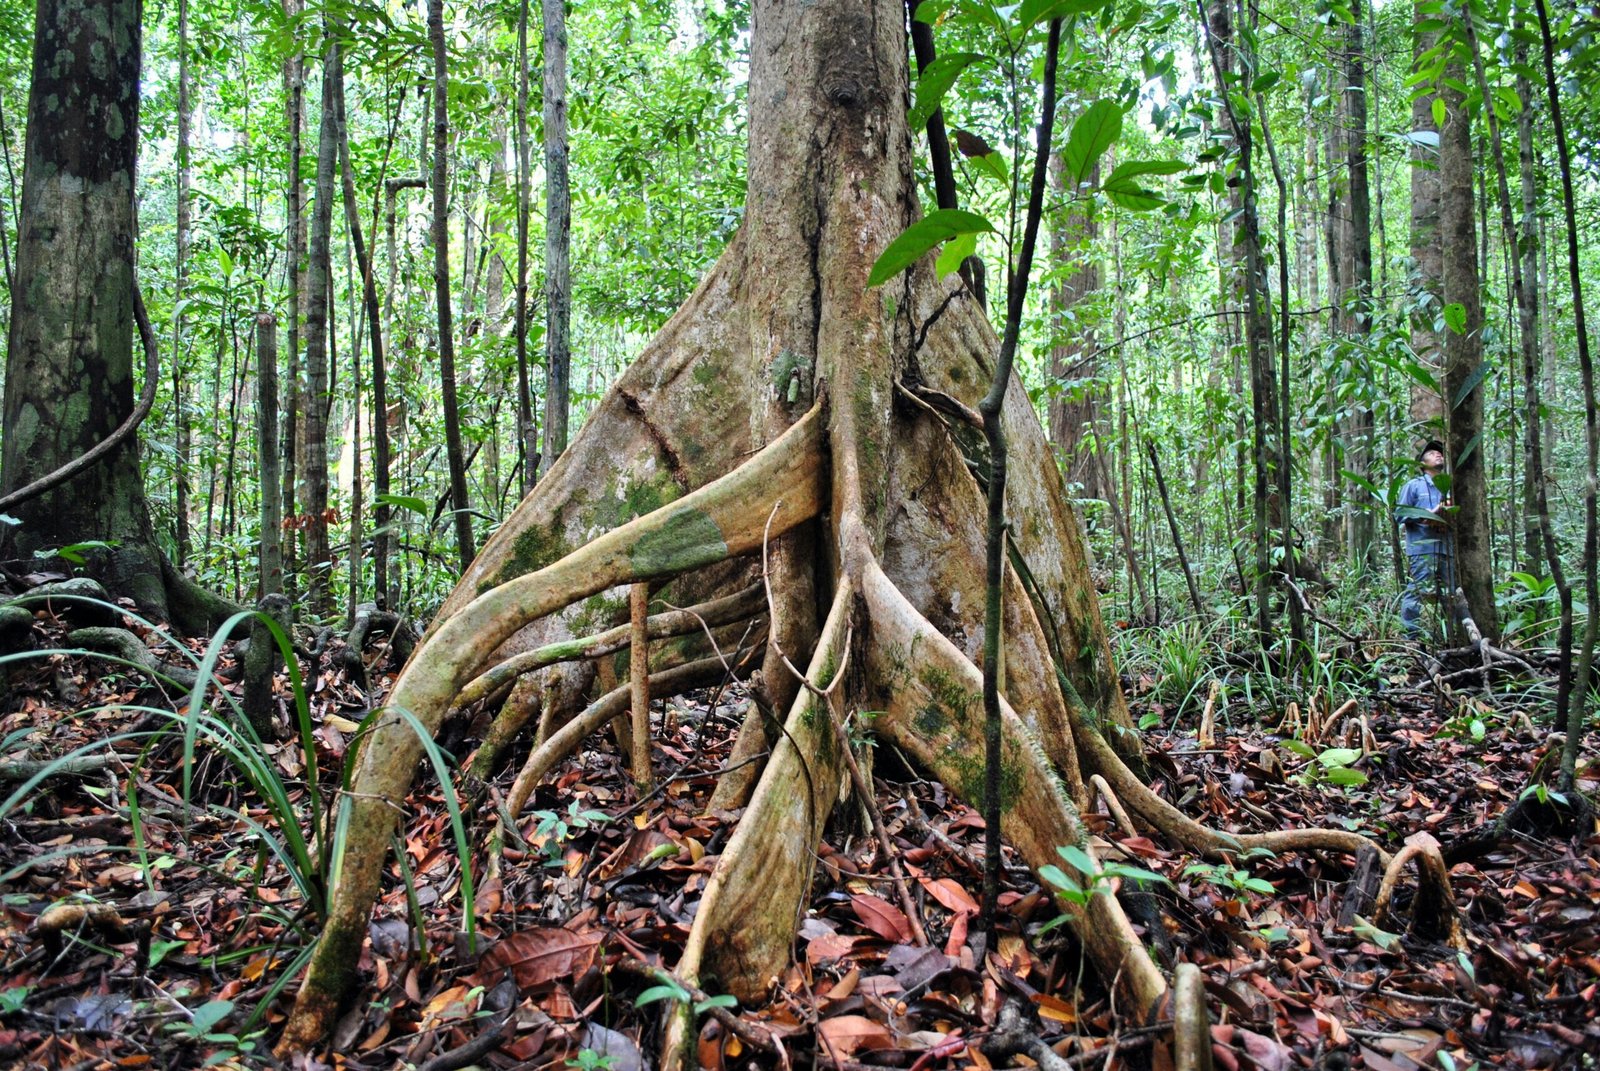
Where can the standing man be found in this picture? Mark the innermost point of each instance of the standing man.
(1422, 512)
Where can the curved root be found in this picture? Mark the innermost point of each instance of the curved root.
(1434, 915)
(933, 714)
(1114, 807)
(1167, 819)
(708, 525)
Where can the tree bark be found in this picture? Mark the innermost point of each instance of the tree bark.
(69, 360)
(557, 236)
(180, 414)
(465, 548)
(1463, 355)
(1074, 414)
(313, 413)
(271, 554)
(1356, 300)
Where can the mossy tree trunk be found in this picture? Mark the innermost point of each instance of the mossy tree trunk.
(69, 359)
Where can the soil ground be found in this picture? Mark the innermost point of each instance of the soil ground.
(601, 887)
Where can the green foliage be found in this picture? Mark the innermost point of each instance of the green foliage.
(1088, 878)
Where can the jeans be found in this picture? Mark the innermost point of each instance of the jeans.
(1433, 573)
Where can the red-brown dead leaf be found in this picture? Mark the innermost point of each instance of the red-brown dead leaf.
(881, 917)
(951, 896)
(539, 956)
(844, 1034)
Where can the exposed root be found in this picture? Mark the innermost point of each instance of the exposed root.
(708, 525)
(746, 921)
(1191, 1026)
(571, 736)
(671, 623)
(1114, 807)
(1173, 823)
(933, 711)
(1434, 915)
(1207, 737)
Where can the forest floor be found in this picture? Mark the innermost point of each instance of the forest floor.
(180, 963)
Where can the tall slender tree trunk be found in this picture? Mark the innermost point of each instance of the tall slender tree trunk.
(1529, 318)
(527, 434)
(1250, 284)
(313, 425)
(1577, 715)
(1463, 354)
(557, 236)
(180, 409)
(1356, 275)
(441, 288)
(294, 81)
(268, 458)
(1427, 406)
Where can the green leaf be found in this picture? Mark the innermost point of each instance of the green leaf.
(1096, 130)
(1343, 775)
(934, 82)
(1134, 168)
(1339, 756)
(1439, 112)
(1079, 860)
(410, 502)
(721, 1000)
(1300, 748)
(1134, 198)
(1455, 317)
(1033, 12)
(921, 236)
(955, 251)
(209, 1015)
(1267, 81)
(994, 163)
(669, 991)
(1468, 386)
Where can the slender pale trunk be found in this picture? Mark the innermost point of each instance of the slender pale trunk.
(557, 236)
(441, 288)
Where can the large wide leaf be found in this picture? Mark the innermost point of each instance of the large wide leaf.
(1096, 130)
(921, 236)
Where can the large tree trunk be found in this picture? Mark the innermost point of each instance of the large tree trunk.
(69, 360)
(1356, 275)
(787, 402)
(1463, 353)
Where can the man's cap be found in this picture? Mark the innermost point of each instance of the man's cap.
(1431, 444)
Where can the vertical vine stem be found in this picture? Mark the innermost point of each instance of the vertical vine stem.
(990, 408)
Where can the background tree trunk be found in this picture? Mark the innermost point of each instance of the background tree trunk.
(557, 236)
(1463, 355)
(465, 550)
(313, 424)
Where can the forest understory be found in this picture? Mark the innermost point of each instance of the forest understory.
(174, 929)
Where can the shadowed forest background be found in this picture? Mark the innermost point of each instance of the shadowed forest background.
(582, 431)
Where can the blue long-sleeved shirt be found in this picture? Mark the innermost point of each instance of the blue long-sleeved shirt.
(1421, 493)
